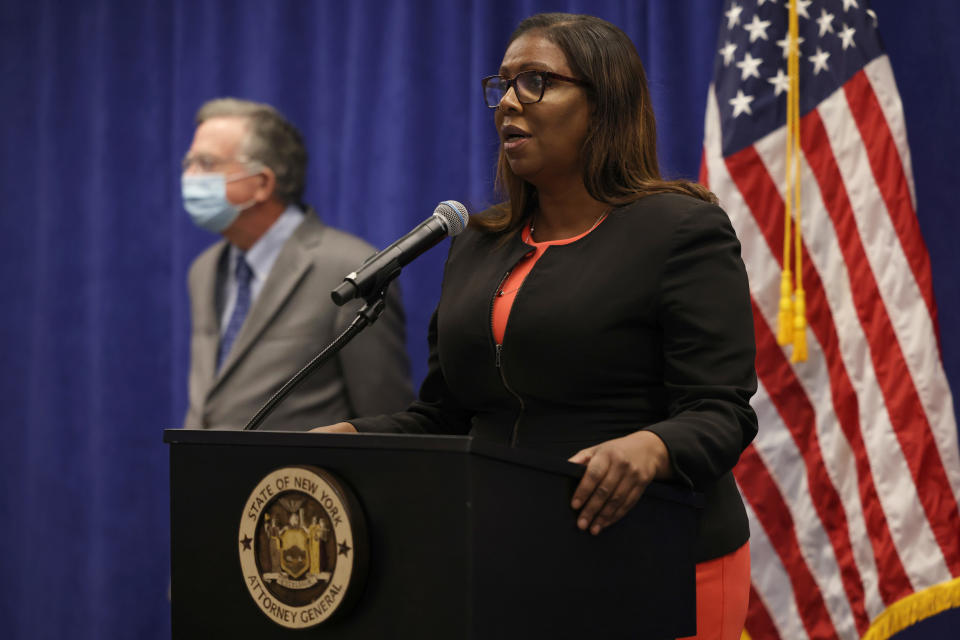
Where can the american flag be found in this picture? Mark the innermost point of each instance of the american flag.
(852, 484)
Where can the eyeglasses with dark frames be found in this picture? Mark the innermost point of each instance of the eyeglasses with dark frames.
(529, 86)
(208, 163)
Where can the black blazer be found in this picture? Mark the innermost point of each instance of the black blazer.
(644, 323)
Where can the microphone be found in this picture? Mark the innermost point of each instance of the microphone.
(448, 219)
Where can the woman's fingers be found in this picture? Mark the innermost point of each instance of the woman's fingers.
(590, 483)
(601, 486)
(617, 473)
(605, 519)
(587, 484)
(583, 456)
(340, 427)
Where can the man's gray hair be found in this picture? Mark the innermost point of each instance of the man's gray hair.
(272, 140)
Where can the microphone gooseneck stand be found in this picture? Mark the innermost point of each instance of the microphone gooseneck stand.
(366, 315)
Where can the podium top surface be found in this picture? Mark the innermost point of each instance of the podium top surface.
(409, 442)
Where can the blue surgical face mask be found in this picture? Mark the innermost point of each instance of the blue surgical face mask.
(205, 199)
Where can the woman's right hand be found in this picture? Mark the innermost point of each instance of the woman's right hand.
(340, 427)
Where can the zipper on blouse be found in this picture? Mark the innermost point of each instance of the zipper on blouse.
(498, 361)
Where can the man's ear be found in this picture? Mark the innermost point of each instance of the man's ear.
(266, 186)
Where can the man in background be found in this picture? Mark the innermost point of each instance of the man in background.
(260, 297)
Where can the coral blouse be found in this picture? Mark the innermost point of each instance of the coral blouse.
(507, 292)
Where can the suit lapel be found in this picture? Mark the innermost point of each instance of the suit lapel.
(207, 307)
(292, 264)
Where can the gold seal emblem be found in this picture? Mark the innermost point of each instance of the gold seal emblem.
(298, 546)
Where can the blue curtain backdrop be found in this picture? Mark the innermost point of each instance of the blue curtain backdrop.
(97, 102)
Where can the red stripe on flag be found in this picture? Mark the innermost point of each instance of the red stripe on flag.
(751, 177)
(759, 192)
(894, 582)
(759, 623)
(892, 181)
(900, 395)
(799, 416)
(760, 490)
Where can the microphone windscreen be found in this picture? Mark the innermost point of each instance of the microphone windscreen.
(454, 216)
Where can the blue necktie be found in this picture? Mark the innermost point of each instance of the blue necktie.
(240, 309)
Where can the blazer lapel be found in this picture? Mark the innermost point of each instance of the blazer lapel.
(206, 318)
(292, 264)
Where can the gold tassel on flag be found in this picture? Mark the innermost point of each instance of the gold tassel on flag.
(792, 317)
(785, 318)
(799, 328)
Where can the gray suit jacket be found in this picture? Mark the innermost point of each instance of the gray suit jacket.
(291, 320)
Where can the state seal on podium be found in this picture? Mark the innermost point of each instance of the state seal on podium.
(303, 549)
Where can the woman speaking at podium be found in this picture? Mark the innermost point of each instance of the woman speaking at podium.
(600, 313)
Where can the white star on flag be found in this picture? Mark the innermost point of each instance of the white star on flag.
(760, 2)
(780, 82)
(785, 44)
(727, 53)
(846, 35)
(850, 3)
(802, 8)
(748, 66)
(741, 104)
(757, 28)
(819, 61)
(825, 21)
(733, 15)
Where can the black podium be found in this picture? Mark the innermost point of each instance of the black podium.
(465, 540)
